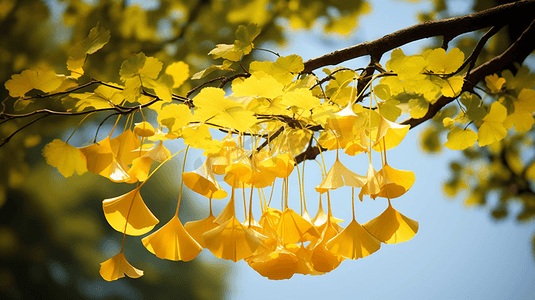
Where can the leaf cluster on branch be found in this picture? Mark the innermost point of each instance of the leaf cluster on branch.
(291, 114)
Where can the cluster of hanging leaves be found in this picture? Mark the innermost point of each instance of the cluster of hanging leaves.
(284, 113)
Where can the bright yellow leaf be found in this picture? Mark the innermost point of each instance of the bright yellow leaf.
(300, 98)
(180, 72)
(232, 241)
(396, 182)
(392, 133)
(116, 267)
(41, 79)
(391, 227)
(339, 176)
(197, 136)
(354, 242)
(292, 227)
(442, 63)
(492, 129)
(172, 242)
(202, 181)
(258, 85)
(103, 161)
(212, 107)
(174, 116)
(460, 139)
(275, 264)
(197, 228)
(129, 212)
(65, 157)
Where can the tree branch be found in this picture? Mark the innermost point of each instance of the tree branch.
(449, 28)
(520, 49)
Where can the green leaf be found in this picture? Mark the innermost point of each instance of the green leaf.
(245, 37)
(97, 38)
(390, 110)
(474, 110)
(418, 107)
(382, 91)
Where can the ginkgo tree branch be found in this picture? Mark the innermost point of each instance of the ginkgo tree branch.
(448, 28)
(520, 49)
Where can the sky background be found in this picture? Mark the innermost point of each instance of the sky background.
(458, 253)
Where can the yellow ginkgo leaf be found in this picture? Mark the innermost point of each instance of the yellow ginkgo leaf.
(460, 139)
(281, 165)
(275, 264)
(140, 169)
(494, 83)
(354, 242)
(96, 39)
(391, 132)
(391, 227)
(239, 173)
(228, 212)
(180, 72)
(321, 216)
(492, 129)
(442, 63)
(304, 256)
(129, 212)
(212, 106)
(174, 116)
(172, 242)
(202, 181)
(300, 98)
(452, 86)
(374, 183)
(259, 84)
(65, 157)
(324, 260)
(231, 240)
(197, 228)
(117, 267)
(102, 160)
(270, 217)
(396, 182)
(140, 65)
(292, 227)
(44, 80)
(340, 176)
(144, 129)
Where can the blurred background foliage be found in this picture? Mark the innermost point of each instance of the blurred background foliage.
(53, 234)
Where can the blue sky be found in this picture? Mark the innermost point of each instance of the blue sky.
(458, 253)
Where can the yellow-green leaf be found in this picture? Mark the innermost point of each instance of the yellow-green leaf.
(460, 139)
(97, 38)
(418, 107)
(65, 158)
(44, 80)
